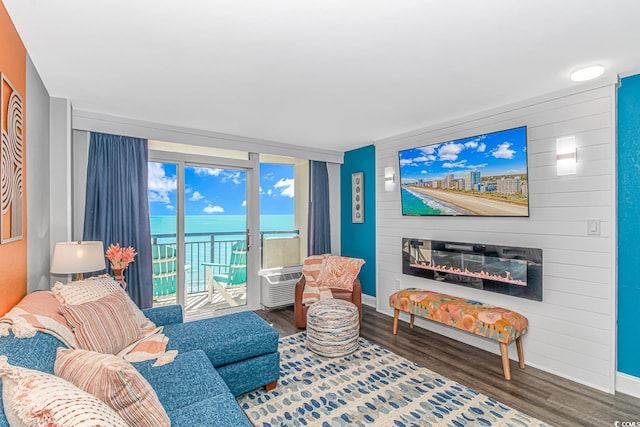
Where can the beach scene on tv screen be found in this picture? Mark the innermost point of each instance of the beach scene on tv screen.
(484, 175)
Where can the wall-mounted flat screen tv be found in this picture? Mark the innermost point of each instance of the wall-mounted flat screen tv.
(483, 175)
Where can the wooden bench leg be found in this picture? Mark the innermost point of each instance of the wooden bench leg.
(396, 314)
(411, 322)
(271, 386)
(520, 352)
(504, 351)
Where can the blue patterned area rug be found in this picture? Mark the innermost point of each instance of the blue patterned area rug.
(372, 386)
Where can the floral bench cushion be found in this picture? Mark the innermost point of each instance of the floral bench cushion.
(500, 324)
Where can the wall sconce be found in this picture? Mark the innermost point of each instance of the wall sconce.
(566, 156)
(389, 179)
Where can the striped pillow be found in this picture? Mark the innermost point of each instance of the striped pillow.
(106, 325)
(311, 268)
(92, 289)
(34, 398)
(114, 381)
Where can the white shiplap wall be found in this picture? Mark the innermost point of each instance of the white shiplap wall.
(572, 331)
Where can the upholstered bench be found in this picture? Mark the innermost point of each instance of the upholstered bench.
(496, 323)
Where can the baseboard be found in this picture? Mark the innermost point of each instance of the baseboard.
(628, 384)
(369, 300)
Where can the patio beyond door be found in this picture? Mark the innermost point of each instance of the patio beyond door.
(200, 236)
(216, 232)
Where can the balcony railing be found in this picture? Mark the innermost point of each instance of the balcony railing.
(210, 248)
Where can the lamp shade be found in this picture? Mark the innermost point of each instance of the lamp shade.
(78, 257)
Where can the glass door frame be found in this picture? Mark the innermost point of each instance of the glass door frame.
(252, 169)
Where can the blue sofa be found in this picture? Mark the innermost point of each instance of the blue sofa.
(219, 358)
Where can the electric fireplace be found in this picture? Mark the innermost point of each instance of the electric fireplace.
(509, 270)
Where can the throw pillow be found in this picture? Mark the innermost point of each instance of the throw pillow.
(94, 288)
(115, 382)
(34, 398)
(106, 325)
(311, 268)
(339, 272)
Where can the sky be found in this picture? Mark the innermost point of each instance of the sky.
(215, 191)
(498, 153)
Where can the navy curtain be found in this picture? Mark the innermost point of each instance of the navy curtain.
(117, 209)
(319, 224)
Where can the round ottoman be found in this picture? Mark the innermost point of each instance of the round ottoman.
(333, 327)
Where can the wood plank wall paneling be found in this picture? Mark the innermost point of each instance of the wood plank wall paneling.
(572, 330)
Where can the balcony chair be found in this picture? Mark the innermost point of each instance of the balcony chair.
(300, 310)
(165, 265)
(236, 276)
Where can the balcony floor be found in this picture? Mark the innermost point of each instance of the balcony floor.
(198, 306)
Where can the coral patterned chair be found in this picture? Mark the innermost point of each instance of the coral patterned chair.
(339, 274)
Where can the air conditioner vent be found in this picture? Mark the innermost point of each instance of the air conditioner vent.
(278, 289)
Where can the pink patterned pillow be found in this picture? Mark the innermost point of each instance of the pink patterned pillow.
(37, 399)
(92, 289)
(311, 268)
(106, 325)
(115, 382)
(339, 272)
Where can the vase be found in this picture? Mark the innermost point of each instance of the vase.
(118, 274)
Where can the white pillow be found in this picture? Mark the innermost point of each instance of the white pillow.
(33, 398)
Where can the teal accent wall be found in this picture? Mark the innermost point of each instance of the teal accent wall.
(359, 240)
(628, 225)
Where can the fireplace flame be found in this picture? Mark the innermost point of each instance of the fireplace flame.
(507, 278)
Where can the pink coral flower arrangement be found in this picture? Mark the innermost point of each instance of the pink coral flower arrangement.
(119, 257)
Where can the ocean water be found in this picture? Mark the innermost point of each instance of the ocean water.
(414, 203)
(198, 248)
(219, 223)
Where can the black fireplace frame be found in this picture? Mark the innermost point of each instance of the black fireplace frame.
(525, 262)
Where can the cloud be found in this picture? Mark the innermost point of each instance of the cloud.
(160, 185)
(471, 144)
(196, 196)
(478, 166)
(231, 176)
(451, 165)
(503, 151)
(450, 151)
(286, 187)
(213, 209)
(207, 171)
(423, 172)
(405, 162)
(170, 207)
(429, 149)
(482, 147)
(269, 192)
(244, 203)
(269, 177)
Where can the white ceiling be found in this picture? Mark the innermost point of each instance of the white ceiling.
(335, 74)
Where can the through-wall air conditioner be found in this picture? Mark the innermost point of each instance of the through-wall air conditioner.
(278, 286)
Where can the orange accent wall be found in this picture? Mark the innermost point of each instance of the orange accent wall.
(13, 256)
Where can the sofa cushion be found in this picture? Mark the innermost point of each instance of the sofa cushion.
(215, 411)
(188, 379)
(225, 339)
(114, 381)
(35, 398)
(250, 374)
(106, 325)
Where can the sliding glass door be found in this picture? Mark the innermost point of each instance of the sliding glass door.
(200, 230)
(215, 224)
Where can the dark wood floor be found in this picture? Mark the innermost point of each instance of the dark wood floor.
(552, 399)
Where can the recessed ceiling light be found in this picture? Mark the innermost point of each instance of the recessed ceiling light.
(587, 73)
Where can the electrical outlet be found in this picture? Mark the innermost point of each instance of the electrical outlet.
(398, 283)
